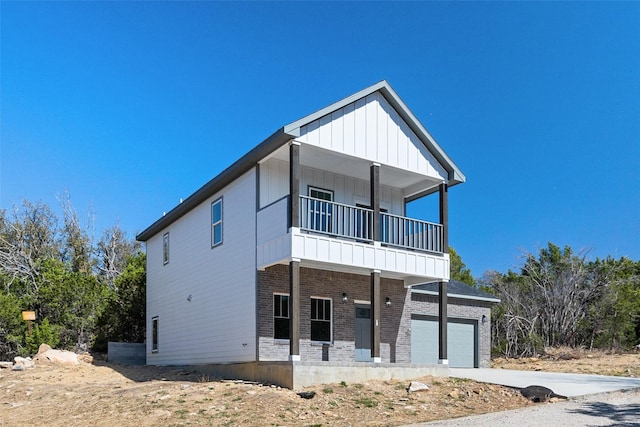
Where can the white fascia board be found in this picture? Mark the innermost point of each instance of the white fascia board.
(460, 296)
(293, 129)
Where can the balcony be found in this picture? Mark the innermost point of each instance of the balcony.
(340, 237)
(350, 222)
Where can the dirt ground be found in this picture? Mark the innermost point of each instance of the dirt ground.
(101, 394)
(577, 362)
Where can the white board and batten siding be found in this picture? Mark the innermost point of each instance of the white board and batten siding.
(404, 263)
(218, 324)
(371, 129)
(274, 184)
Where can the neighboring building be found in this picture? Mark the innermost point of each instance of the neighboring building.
(302, 250)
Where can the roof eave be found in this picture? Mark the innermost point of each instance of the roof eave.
(237, 169)
(459, 296)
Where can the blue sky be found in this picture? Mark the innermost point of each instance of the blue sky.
(130, 106)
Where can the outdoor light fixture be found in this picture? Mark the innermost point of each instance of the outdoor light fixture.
(484, 319)
(387, 302)
(344, 297)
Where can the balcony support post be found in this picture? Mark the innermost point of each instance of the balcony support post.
(294, 185)
(375, 316)
(442, 323)
(375, 200)
(294, 310)
(442, 288)
(444, 216)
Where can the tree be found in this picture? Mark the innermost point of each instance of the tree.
(458, 269)
(113, 251)
(26, 240)
(12, 327)
(562, 289)
(560, 299)
(614, 319)
(57, 271)
(124, 318)
(76, 244)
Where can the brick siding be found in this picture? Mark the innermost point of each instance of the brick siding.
(331, 284)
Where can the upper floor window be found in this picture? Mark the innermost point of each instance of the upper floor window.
(216, 222)
(165, 248)
(320, 319)
(281, 316)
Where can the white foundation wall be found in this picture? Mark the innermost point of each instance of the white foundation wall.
(205, 297)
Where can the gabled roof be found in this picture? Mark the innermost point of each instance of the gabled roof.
(455, 289)
(291, 131)
(455, 174)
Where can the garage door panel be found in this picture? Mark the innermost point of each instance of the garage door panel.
(461, 341)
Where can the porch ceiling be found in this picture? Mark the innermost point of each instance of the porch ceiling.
(355, 167)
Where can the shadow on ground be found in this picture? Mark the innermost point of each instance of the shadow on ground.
(620, 415)
(143, 373)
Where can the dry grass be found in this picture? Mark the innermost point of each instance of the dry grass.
(96, 393)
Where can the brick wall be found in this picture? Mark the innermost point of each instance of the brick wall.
(331, 284)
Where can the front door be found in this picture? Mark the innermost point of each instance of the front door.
(363, 333)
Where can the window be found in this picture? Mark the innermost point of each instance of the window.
(216, 222)
(320, 210)
(154, 334)
(165, 248)
(320, 319)
(281, 317)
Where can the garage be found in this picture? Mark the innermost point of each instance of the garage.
(462, 341)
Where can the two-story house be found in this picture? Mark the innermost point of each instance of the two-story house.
(301, 253)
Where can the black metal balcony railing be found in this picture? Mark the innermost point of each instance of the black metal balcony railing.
(352, 222)
(336, 219)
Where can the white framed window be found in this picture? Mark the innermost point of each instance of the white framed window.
(281, 322)
(321, 319)
(154, 334)
(216, 222)
(320, 209)
(165, 248)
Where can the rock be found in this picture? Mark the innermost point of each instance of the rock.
(18, 367)
(26, 362)
(454, 393)
(6, 365)
(61, 357)
(44, 348)
(307, 394)
(538, 393)
(416, 386)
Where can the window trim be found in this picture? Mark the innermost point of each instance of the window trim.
(154, 334)
(330, 341)
(281, 294)
(165, 248)
(217, 223)
(322, 190)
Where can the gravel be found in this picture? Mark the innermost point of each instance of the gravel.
(620, 408)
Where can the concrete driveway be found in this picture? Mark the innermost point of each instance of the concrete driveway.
(570, 385)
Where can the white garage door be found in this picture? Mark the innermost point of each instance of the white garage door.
(461, 341)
